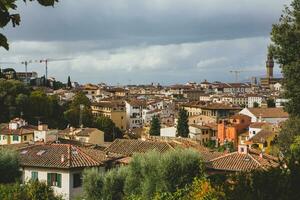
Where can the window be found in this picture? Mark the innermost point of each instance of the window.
(122, 117)
(253, 132)
(15, 138)
(54, 179)
(77, 180)
(4, 137)
(34, 176)
(25, 137)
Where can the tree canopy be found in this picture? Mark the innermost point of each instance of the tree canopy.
(32, 190)
(9, 166)
(80, 104)
(7, 14)
(182, 124)
(111, 131)
(285, 48)
(155, 126)
(145, 176)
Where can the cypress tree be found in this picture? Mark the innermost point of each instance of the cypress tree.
(155, 126)
(69, 84)
(182, 124)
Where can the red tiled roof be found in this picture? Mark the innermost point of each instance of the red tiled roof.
(129, 147)
(50, 156)
(269, 112)
(257, 124)
(4, 130)
(242, 162)
(261, 136)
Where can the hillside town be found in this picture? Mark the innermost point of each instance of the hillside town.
(232, 125)
(140, 100)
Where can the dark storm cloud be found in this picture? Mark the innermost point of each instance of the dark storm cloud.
(123, 22)
(145, 41)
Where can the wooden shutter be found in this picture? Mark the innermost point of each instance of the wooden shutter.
(49, 179)
(58, 178)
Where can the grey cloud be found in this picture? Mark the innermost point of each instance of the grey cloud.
(145, 41)
(129, 22)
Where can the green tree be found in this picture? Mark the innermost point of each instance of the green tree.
(289, 130)
(39, 106)
(153, 172)
(114, 184)
(93, 183)
(9, 90)
(182, 124)
(9, 166)
(7, 14)
(69, 84)
(155, 126)
(200, 189)
(72, 115)
(1, 74)
(260, 184)
(271, 103)
(145, 176)
(109, 128)
(22, 102)
(32, 190)
(285, 48)
(255, 105)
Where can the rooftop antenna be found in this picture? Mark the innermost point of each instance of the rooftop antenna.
(81, 107)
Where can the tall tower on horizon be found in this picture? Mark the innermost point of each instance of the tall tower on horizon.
(270, 66)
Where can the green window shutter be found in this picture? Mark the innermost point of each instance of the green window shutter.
(34, 176)
(15, 138)
(49, 179)
(58, 180)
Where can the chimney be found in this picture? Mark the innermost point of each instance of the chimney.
(243, 149)
(261, 155)
(260, 118)
(42, 127)
(62, 159)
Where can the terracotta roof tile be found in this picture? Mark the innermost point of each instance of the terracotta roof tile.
(269, 112)
(242, 162)
(4, 130)
(50, 156)
(129, 147)
(261, 136)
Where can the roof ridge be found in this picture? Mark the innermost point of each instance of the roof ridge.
(87, 155)
(169, 145)
(256, 161)
(223, 156)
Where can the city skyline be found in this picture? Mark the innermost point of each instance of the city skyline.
(142, 42)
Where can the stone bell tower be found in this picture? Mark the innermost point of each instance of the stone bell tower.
(270, 66)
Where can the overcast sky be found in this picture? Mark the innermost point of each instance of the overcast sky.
(144, 41)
